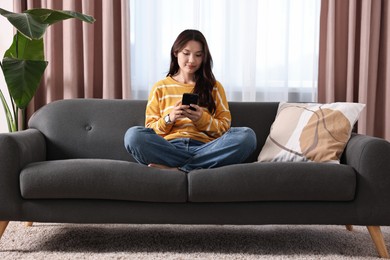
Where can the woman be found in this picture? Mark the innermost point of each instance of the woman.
(195, 136)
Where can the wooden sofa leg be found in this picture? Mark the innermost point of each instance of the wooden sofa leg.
(349, 227)
(3, 226)
(377, 237)
(29, 224)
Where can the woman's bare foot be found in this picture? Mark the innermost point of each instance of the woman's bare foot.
(160, 166)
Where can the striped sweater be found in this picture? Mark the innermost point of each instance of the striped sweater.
(163, 97)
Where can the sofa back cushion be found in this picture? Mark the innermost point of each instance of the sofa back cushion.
(88, 128)
(257, 115)
(94, 128)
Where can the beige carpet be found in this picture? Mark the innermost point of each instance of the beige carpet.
(70, 241)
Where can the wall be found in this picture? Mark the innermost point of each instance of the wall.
(5, 41)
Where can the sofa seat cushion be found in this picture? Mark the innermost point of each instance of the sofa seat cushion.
(101, 179)
(270, 181)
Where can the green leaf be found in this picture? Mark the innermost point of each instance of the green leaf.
(29, 25)
(23, 78)
(52, 16)
(33, 22)
(24, 48)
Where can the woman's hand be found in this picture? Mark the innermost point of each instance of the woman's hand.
(182, 111)
(176, 112)
(193, 115)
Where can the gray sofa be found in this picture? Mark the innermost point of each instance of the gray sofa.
(71, 166)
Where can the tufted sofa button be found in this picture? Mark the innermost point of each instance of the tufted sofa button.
(88, 128)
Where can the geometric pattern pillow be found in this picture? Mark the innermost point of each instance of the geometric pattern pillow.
(310, 132)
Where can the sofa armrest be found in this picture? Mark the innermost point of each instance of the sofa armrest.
(17, 149)
(370, 157)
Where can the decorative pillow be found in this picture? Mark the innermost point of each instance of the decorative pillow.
(310, 132)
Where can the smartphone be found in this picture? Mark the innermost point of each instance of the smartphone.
(190, 98)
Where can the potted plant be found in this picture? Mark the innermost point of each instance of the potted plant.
(24, 62)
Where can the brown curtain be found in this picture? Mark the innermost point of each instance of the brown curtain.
(354, 59)
(85, 60)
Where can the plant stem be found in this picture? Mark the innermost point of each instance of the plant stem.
(10, 122)
(15, 112)
(17, 44)
(23, 119)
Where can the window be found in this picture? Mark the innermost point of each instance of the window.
(263, 50)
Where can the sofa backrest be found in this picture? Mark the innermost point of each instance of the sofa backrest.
(257, 115)
(94, 128)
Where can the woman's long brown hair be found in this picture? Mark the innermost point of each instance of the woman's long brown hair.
(204, 77)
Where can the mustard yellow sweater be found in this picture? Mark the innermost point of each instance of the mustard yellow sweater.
(162, 98)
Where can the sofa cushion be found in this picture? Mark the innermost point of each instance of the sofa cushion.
(88, 128)
(310, 132)
(284, 181)
(101, 179)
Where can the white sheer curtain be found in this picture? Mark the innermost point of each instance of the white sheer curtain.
(263, 50)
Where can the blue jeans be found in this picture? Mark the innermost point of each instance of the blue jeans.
(235, 146)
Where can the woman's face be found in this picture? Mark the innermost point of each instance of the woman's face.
(190, 57)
